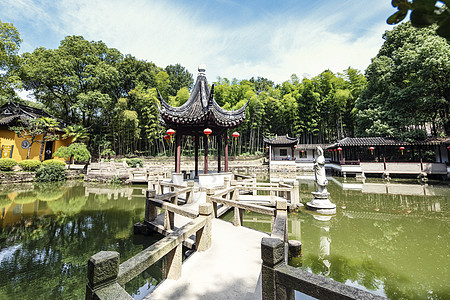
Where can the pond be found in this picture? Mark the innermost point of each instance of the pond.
(48, 233)
(392, 239)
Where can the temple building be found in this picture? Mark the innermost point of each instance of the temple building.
(11, 146)
(201, 117)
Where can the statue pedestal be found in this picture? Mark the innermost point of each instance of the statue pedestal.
(322, 203)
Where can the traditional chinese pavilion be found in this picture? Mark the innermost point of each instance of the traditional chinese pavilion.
(201, 116)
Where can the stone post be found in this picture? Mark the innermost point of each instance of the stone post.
(273, 255)
(238, 212)
(226, 182)
(295, 200)
(281, 207)
(173, 262)
(150, 210)
(203, 236)
(209, 194)
(169, 220)
(103, 268)
(190, 194)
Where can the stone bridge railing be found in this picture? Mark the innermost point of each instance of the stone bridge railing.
(107, 276)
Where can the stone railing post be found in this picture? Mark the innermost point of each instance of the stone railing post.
(238, 212)
(226, 182)
(281, 207)
(295, 200)
(209, 194)
(103, 268)
(150, 210)
(173, 262)
(273, 255)
(190, 194)
(203, 236)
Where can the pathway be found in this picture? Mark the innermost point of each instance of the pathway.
(230, 269)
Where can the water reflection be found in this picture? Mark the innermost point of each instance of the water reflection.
(48, 233)
(390, 238)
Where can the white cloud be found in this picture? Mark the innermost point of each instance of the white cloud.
(334, 36)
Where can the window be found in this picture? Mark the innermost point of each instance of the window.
(283, 152)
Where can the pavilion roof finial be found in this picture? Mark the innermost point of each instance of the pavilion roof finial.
(201, 70)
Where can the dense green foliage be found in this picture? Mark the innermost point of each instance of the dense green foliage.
(111, 100)
(133, 162)
(9, 60)
(6, 164)
(29, 164)
(408, 86)
(424, 13)
(76, 151)
(53, 162)
(50, 172)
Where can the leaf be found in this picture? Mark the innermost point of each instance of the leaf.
(421, 17)
(444, 29)
(397, 17)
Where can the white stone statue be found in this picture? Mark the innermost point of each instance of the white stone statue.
(321, 201)
(319, 171)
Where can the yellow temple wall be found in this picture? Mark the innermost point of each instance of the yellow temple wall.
(9, 138)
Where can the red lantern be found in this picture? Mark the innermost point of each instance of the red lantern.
(267, 147)
(295, 146)
(167, 138)
(401, 148)
(170, 132)
(235, 135)
(371, 150)
(339, 149)
(330, 150)
(448, 147)
(207, 131)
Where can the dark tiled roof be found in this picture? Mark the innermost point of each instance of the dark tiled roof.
(11, 112)
(200, 109)
(383, 141)
(281, 140)
(311, 146)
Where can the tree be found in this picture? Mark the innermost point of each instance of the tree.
(424, 13)
(76, 152)
(76, 132)
(77, 82)
(408, 85)
(9, 60)
(179, 78)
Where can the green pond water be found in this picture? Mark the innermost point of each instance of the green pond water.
(48, 233)
(390, 239)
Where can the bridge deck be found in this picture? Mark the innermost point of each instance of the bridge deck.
(230, 269)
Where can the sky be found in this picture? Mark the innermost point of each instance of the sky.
(235, 39)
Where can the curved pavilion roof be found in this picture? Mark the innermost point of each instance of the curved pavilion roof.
(200, 109)
(281, 140)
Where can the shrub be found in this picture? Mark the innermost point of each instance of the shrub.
(133, 162)
(6, 164)
(50, 172)
(77, 151)
(30, 164)
(54, 162)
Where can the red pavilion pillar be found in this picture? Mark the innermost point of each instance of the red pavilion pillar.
(178, 154)
(205, 145)
(196, 137)
(226, 150)
(219, 152)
